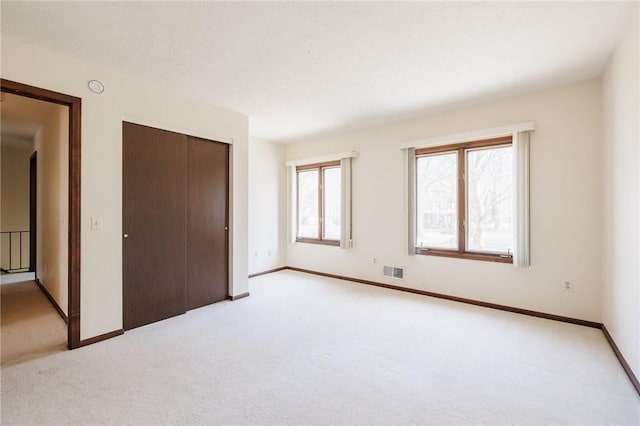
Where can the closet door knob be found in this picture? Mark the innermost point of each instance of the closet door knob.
(126, 235)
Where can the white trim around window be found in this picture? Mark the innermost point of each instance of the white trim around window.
(521, 199)
(346, 238)
(471, 136)
(321, 159)
(292, 203)
(410, 198)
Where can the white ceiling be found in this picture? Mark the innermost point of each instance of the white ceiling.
(303, 68)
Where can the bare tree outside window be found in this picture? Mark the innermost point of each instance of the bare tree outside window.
(490, 200)
(436, 200)
(331, 192)
(464, 200)
(308, 204)
(319, 203)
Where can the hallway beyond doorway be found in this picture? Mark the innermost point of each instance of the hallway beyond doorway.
(31, 327)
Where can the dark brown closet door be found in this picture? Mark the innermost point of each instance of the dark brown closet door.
(154, 224)
(207, 235)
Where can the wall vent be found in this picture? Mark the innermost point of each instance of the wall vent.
(393, 272)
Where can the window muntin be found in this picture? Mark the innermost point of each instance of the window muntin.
(319, 199)
(482, 200)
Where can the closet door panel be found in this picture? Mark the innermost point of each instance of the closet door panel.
(154, 224)
(207, 221)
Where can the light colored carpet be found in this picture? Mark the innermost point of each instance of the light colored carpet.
(30, 325)
(309, 350)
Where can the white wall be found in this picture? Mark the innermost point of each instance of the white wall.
(15, 200)
(566, 209)
(621, 153)
(102, 115)
(267, 205)
(52, 257)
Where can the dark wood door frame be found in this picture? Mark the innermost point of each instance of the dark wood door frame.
(75, 114)
(33, 210)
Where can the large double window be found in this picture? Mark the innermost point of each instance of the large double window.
(464, 200)
(319, 203)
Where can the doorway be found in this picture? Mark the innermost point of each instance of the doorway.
(74, 105)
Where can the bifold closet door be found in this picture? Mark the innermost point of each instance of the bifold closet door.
(154, 224)
(207, 222)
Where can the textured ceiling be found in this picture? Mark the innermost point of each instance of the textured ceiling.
(303, 68)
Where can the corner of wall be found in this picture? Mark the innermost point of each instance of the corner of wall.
(267, 204)
(621, 196)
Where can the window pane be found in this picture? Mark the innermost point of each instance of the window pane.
(436, 201)
(490, 200)
(308, 204)
(332, 217)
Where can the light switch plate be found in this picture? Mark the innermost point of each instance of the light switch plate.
(96, 224)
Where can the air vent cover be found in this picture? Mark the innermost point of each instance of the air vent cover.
(393, 272)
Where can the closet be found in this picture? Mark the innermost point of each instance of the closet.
(175, 223)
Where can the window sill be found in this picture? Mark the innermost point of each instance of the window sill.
(471, 256)
(321, 242)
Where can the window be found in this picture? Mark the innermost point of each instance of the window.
(464, 200)
(319, 203)
(319, 200)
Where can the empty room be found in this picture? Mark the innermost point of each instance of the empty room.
(274, 213)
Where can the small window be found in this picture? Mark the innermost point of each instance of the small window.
(464, 200)
(319, 203)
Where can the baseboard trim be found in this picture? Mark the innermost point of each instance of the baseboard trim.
(239, 296)
(458, 299)
(270, 271)
(101, 337)
(625, 365)
(52, 300)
